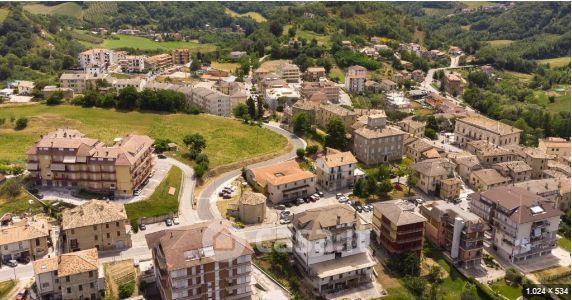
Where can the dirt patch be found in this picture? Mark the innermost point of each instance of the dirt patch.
(118, 273)
(271, 65)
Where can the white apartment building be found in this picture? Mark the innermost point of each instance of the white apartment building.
(337, 170)
(132, 63)
(355, 79)
(288, 72)
(330, 246)
(483, 128)
(213, 102)
(101, 59)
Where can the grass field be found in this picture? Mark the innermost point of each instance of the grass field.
(6, 287)
(338, 73)
(229, 67)
(160, 202)
(510, 292)
(499, 43)
(127, 41)
(520, 76)
(71, 9)
(453, 282)
(554, 275)
(18, 204)
(564, 243)
(561, 100)
(228, 141)
(254, 15)
(476, 4)
(556, 62)
(3, 14)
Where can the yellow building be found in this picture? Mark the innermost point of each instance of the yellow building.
(482, 128)
(95, 224)
(450, 188)
(24, 239)
(555, 146)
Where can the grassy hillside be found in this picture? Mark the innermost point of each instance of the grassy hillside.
(499, 43)
(254, 15)
(3, 14)
(127, 41)
(66, 9)
(100, 11)
(556, 62)
(227, 140)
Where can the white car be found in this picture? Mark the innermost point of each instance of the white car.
(176, 221)
(343, 199)
(285, 221)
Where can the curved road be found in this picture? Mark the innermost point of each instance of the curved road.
(204, 207)
(187, 215)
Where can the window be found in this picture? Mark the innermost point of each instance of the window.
(67, 279)
(69, 290)
(108, 236)
(116, 224)
(94, 227)
(73, 231)
(80, 287)
(106, 225)
(37, 242)
(119, 233)
(91, 285)
(90, 273)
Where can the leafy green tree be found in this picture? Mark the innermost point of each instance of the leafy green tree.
(469, 292)
(336, 134)
(292, 31)
(11, 188)
(251, 108)
(127, 98)
(411, 182)
(195, 142)
(240, 111)
(430, 133)
(55, 98)
(312, 149)
(405, 263)
(384, 187)
(415, 284)
(479, 79)
(383, 172)
(370, 186)
(275, 27)
(300, 152)
(21, 123)
(301, 123)
(259, 108)
(161, 145)
(359, 188)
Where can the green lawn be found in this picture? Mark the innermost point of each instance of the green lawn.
(254, 15)
(18, 204)
(71, 9)
(564, 243)
(556, 62)
(453, 284)
(128, 41)
(3, 14)
(228, 140)
(499, 43)
(160, 202)
(511, 292)
(338, 73)
(561, 100)
(476, 4)
(6, 287)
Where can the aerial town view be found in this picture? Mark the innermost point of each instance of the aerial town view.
(276, 150)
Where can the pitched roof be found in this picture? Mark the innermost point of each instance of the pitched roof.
(335, 158)
(69, 263)
(434, 167)
(280, 173)
(23, 231)
(316, 223)
(490, 176)
(372, 133)
(93, 212)
(489, 124)
(516, 166)
(399, 212)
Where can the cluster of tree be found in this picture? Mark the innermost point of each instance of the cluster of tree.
(346, 57)
(251, 111)
(336, 134)
(11, 188)
(196, 143)
(564, 227)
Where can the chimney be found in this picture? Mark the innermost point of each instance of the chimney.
(338, 218)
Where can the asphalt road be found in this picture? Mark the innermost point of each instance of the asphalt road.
(204, 207)
(187, 215)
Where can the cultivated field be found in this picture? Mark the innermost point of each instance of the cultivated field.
(254, 15)
(228, 140)
(499, 43)
(71, 9)
(229, 67)
(556, 62)
(127, 41)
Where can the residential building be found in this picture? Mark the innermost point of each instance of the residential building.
(482, 128)
(23, 239)
(122, 83)
(537, 160)
(485, 179)
(282, 182)
(101, 58)
(421, 149)
(466, 165)
(376, 142)
(288, 72)
(328, 88)
(555, 146)
(79, 82)
(66, 158)
(373, 86)
(489, 154)
(133, 63)
(213, 102)
(280, 96)
(201, 261)
(72, 276)
(330, 246)
(414, 128)
(308, 107)
(453, 84)
(524, 224)
(269, 81)
(487, 69)
(517, 170)
(259, 73)
(315, 73)
(398, 100)
(181, 56)
(337, 170)
(355, 79)
(25, 87)
(397, 227)
(418, 75)
(450, 188)
(327, 111)
(431, 172)
(553, 191)
(99, 224)
(159, 61)
(370, 51)
(460, 233)
(388, 85)
(237, 54)
(49, 90)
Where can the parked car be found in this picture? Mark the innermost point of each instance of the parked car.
(22, 294)
(288, 204)
(321, 194)
(226, 196)
(169, 222)
(343, 199)
(281, 207)
(176, 221)
(12, 263)
(359, 208)
(300, 201)
(285, 221)
(316, 195)
(23, 260)
(314, 198)
(40, 196)
(161, 156)
(142, 227)
(137, 192)
(339, 195)
(369, 207)
(419, 201)
(284, 214)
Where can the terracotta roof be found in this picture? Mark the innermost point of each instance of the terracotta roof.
(541, 186)
(78, 262)
(490, 176)
(197, 244)
(372, 133)
(23, 231)
(490, 125)
(516, 166)
(431, 153)
(337, 110)
(250, 198)
(535, 153)
(45, 265)
(420, 145)
(411, 123)
(399, 212)
(555, 142)
(434, 167)
(281, 173)
(318, 97)
(316, 223)
(469, 161)
(335, 158)
(305, 105)
(93, 212)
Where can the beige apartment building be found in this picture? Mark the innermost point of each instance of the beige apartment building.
(555, 146)
(181, 56)
(489, 154)
(554, 191)
(414, 128)
(524, 224)
(337, 170)
(431, 172)
(421, 149)
(70, 276)
(315, 73)
(288, 72)
(282, 182)
(26, 238)
(79, 82)
(466, 165)
(376, 142)
(66, 158)
(95, 224)
(482, 128)
(328, 88)
(355, 79)
(133, 63)
(159, 61)
(453, 84)
(328, 111)
(485, 179)
(201, 261)
(460, 233)
(450, 188)
(213, 102)
(517, 170)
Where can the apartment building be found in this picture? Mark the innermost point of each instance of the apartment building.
(337, 170)
(121, 83)
(555, 146)
(466, 165)
(25, 87)
(421, 149)
(453, 84)
(201, 261)
(459, 232)
(431, 172)
(517, 170)
(181, 56)
(555, 191)
(280, 96)
(450, 188)
(315, 73)
(397, 227)
(213, 102)
(330, 246)
(524, 224)
(95, 224)
(79, 82)
(414, 128)
(388, 85)
(355, 79)
(537, 160)
(66, 158)
(328, 88)
(23, 239)
(282, 182)
(482, 128)
(485, 179)
(101, 58)
(288, 72)
(489, 154)
(328, 111)
(133, 63)
(376, 142)
(159, 61)
(70, 276)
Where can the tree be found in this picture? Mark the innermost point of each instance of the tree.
(126, 289)
(469, 292)
(405, 263)
(384, 187)
(514, 276)
(383, 172)
(411, 182)
(259, 108)
(161, 145)
(195, 64)
(370, 186)
(400, 172)
(292, 31)
(11, 188)
(336, 134)
(435, 275)
(312, 149)
(127, 98)
(21, 123)
(300, 152)
(301, 123)
(359, 188)
(195, 142)
(275, 27)
(240, 111)
(55, 98)
(479, 79)
(430, 133)
(415, 284)
(251, 108)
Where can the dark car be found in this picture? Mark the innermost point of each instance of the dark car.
(169, 222)
(161, 156)
(288, 204)
(12, 263)
(23, 260)
(142, 227)
(22, 294)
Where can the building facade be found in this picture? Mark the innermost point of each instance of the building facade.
(288, 72)
(355, 79)
(555, 146)
(26, 238)
(376, 142)
(482, 128)
(336, 170)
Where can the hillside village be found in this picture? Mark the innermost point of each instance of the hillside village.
(397, 176)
